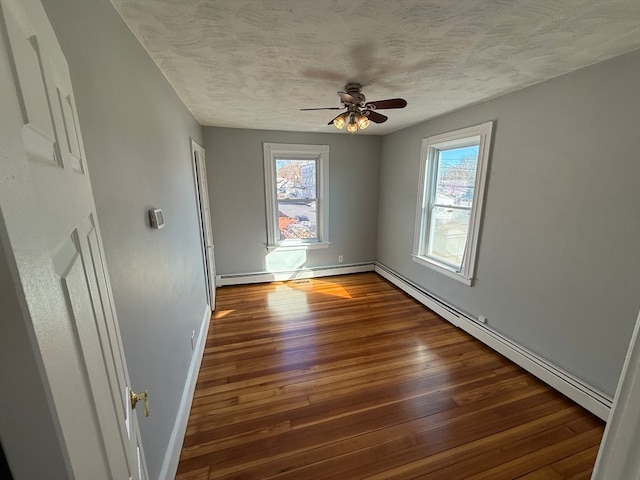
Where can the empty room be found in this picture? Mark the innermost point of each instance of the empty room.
(319, 239)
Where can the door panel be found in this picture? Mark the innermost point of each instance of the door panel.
(75, 285)
(89, 457)
(108, 328)
(81, 349)
(72, 155)
(39, 131)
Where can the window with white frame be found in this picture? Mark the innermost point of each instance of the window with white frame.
(297, 200)
(453, 168)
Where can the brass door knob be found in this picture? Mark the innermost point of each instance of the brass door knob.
(136, 397)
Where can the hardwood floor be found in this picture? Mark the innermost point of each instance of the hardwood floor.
(348, 378)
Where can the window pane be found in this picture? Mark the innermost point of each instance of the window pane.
(448, 236)
(296, 179)
(296, 187)
(297, 219)
(456, 176)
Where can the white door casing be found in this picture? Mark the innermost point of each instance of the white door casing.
(206, 233)
(618, 456)
(52, 234)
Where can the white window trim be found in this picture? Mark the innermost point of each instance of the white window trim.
(428, 151)
(320, 153)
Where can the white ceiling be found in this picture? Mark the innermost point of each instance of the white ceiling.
(255, 63)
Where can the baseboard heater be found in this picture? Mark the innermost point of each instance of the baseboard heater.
(280, 276)
(576, 389)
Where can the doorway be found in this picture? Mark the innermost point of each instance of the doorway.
(204, 217)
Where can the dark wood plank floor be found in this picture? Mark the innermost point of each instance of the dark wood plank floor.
(348, 378)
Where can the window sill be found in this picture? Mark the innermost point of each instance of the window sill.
(298, 246)
(448, 272)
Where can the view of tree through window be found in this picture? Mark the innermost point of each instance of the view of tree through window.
(297, 199)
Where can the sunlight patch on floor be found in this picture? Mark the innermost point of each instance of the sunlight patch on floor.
(222, 313)
(283, 302)
(319, 286)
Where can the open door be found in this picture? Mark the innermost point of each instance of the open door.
(616, 459)
(206, 235)
(50, 236)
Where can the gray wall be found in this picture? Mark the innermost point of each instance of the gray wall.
(236, 189)
(558, 266)
(136, 134)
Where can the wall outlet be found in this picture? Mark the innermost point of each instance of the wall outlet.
(193, 340)
(340, 258)
(482, 319)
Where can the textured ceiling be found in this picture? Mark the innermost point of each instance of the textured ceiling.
(255, 63)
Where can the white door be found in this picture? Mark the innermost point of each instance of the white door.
(616, 459)
(48, 210)
(200, 171)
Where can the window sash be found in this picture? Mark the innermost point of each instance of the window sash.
(446, 205)
(424, 237)
(431, 238)
(293, 202)
(281, 239)
(320, 155)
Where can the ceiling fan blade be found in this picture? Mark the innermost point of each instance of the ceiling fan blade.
(323, 108)
(390, 103)
(375, 116)
(347, 98)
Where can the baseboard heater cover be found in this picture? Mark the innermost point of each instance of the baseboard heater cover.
(313, 272)
(587, 396)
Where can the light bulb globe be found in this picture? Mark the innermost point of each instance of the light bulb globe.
(339, 121)
(363, 122)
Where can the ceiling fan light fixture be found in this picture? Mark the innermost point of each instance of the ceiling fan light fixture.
(362, 121)
(340, 121)
(360, 113)
(352, 126)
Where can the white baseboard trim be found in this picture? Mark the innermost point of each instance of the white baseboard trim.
(264, 277)
(172, 456)
(576, 389)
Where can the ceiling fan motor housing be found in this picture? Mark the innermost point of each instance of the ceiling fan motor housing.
(355, 90)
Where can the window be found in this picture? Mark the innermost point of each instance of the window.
(452, 176)
(296, 187)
